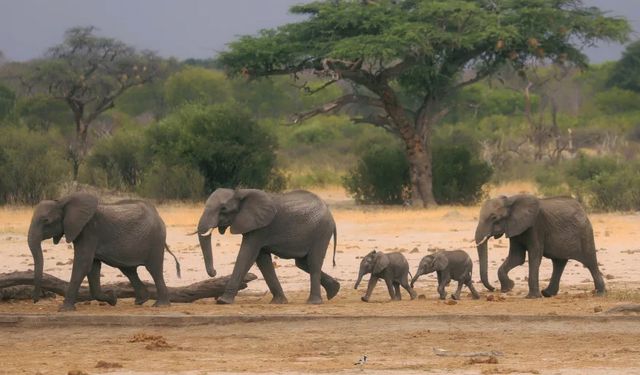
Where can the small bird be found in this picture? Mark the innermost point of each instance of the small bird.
(361, 362)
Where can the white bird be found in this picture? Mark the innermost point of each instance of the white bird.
(361, 362)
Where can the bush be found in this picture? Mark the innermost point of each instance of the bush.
(222, 142)
(382, 173)
(458, 172)
(380, 177)
(119, 159)
(600, 183)
(164, 182)
(32, 166)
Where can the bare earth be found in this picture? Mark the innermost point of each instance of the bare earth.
(568, 334)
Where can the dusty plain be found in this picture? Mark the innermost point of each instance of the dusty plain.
(568, 334)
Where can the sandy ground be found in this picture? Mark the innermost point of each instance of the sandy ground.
(565, 334)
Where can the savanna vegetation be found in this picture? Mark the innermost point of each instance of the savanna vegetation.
(401, 102)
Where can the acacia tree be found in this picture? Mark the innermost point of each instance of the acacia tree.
(88, 73)
(407, 58)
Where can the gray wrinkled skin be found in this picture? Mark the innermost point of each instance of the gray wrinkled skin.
(555, 228)
(448, 265)
(393, 268)
(295, 225)
(125, 235)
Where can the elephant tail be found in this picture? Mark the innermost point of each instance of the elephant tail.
(176, 259)
(335, 243)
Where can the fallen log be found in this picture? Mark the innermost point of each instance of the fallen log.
(12, 285)
(626, 308)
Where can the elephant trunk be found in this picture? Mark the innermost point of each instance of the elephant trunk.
(483, 258)
(205, 245)
(34, 240)
(415, 277)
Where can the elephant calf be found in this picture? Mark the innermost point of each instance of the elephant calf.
(448, 265)
(392, 267)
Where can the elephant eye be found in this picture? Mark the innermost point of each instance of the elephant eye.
(223, 209)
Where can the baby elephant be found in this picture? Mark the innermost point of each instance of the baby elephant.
(449, 265)
(392, 267)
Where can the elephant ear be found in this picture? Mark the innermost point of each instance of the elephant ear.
(440, 262)
(257, 210)
(381, 261)
(523, 210)
(78, 209)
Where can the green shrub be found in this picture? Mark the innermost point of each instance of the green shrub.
(222, 142)
(600, 183)
(458, 172)
(32, 166)
(166, 182)
(380, 177)
(119, 159)
(382, 173)
(7, 101)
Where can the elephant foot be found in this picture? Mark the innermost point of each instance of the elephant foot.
(110, 298)
(141, 300)
(364, 299)
(162, 304)
(455, 297)
(443, 297)
(549, 292)
(225, 300)
(314, 300)
(475, 296)
(533, 295)
(413, 295)
(279, 300)
(506, 286)
(66, 307)
(332, 289)
(601, 293)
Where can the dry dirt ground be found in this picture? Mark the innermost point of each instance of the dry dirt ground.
(568, 334)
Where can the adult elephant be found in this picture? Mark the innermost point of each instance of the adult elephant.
(124, 234)
(294, 225)
(556, 228)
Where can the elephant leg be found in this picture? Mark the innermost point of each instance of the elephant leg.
(94, 285)
(246, 258)
(456, 295)
(535, 258)
(515, 258)
(396, 288)
(265, 264)
(142, 294)
(441, 285)
(554, 283)
(156, 270)
(392, 292)
(598, 281)
(330, 285)
(473, 290)
(405, 284)
(83, 254)
(372, 284)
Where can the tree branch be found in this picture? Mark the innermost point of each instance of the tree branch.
(336, 105)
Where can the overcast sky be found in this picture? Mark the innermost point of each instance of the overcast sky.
(180, 28)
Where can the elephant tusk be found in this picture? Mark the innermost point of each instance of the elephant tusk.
(483, 241)
(192, 233)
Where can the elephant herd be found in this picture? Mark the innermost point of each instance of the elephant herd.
(298, 225)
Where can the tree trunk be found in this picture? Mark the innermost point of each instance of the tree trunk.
(417, 147)
(50, 284)
(419, 157)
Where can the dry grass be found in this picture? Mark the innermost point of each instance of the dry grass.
(15, 219)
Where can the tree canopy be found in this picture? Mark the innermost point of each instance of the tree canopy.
(406, 58)
(626, 72)
(88, 73)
